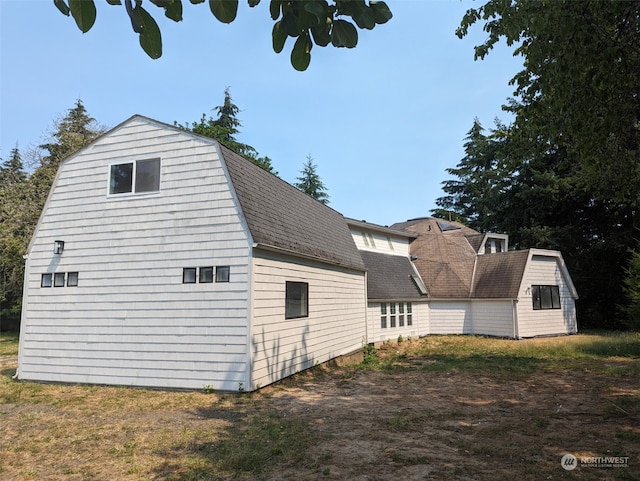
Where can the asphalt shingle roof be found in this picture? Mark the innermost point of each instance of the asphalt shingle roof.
(280, 216)
(499, 275)
(389, 277)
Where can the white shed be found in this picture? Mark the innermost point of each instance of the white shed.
(163, 259)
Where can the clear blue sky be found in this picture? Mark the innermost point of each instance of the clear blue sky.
(382, 121)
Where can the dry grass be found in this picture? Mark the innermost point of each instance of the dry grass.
(442, 408)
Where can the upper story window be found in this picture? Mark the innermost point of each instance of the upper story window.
(546, 297)
(135, 177)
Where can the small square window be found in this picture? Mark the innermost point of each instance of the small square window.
(46, 280)
(72, 279)
(189, 275)
(222, 273)
(296, 300)
(58, 279)
(206, 275)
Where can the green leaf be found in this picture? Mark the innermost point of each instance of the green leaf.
(274, 9)
(62, 6)
(84, 13)
(114, 2)
(344, 34)
(318, 9)
(290, 25)
(365, 18)
(150, 37)
(196, 2)
(224, 10)
(321, 35)
(381, 11)
(301, 53)
(279, 37)
(253, 3)
(172, 8)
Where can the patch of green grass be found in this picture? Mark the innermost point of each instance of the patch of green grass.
(9, 343)
(508, 357)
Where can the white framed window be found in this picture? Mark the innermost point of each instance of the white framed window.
(392, 319)
(383, 315)
(134, 177)
(401, 314)
(409, 314)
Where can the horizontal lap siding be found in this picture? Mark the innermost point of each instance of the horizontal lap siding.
(544, 322)
(376, 333)
(131, 320)
(335, 326)
(493, 318)
(450, 317)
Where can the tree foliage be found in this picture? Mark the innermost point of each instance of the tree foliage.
(22, 198)
(566, 173)
(310, 183)
(632, 291)
(225, 128)
(309, 22)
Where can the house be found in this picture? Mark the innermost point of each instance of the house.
(164, 259)
(397, 304)
(477, 286)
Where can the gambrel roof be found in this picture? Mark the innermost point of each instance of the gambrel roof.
(282, 217)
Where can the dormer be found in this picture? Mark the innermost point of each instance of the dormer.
(494, 243)
(382, 239)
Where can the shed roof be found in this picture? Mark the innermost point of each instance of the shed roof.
(389, 277)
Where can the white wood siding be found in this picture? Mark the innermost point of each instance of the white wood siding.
(369, 240)
(335, 326)
(131, 320)
(481, 317)
(545, 270)
(419, 327)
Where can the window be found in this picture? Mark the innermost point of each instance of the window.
(392, 320)
(409, 314)
(545, 297)
(46, 280)
(135, 177)
(222, 273)
(189, 275)
(206, 275)
(401, 316)
(72, 279)
(58, 279)
(383, 316)
(296, 300)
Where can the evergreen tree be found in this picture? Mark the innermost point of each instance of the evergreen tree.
(632, 291)
(310, 183)
(225, 128)
(12, 170)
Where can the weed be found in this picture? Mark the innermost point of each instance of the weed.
(400, 339)
(370, 355)
(208, 389)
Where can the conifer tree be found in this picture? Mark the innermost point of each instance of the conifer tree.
(310, 183)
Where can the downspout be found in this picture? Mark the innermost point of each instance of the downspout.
(366, 309)
(516, 333)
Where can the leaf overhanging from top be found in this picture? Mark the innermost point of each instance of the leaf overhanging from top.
(224, 10)
(62, 6)
(301, 53)
(150, 37)
(84, 13)
(344, 34)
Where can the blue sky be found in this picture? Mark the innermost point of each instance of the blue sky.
(382, 121)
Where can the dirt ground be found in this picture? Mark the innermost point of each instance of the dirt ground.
(411, 424)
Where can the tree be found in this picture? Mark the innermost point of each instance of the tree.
(225, 128)
(632, 291)
(319, 22)
(22, 198)
(310, 183)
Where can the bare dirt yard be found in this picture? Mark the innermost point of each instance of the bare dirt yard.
(439, 408)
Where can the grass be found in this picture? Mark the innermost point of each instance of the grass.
(506, 358)
(8, 343)
(137, 434)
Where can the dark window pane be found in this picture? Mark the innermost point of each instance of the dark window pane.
(148, 175)
(121, 178)
(383, 309)
(555, 297)
(545, 297)
(296, 300)
(58, 279)
(46, 280)
(383, 322)
(222, 273)
(401, 320)
(206, 274)
(393, 321)
(189, 275)
(72, 279)
(409, 320)
(535, 295)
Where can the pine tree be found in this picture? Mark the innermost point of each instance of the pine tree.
(225, 128)
(12, 170)
(309, 182)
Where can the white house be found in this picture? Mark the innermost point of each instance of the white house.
(477, 286)
(163, 259)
